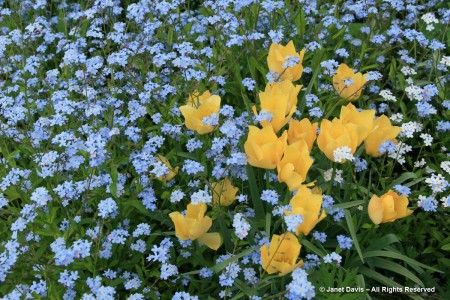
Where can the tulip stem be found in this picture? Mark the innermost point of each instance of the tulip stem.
(329, 112)
(332, 178)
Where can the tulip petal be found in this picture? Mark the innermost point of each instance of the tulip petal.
(213, 240)
(375, 210)
(181, 226)
(200, 228)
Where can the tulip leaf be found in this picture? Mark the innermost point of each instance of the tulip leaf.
(351, 228)
(114, 177)
(349, 204)
(383, 280)
(225, 232)
(406, 259)
(254, 193)
(222, 265)
(378, 277)
(410, 184)
(397, 268)
(313, 248)
(383, 242)
(402, 178)
(268, 222)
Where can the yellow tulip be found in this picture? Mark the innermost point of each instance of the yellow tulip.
(353, 90)
(383, 131)
(280, 100)
(335, 134)
(308, 204)
(198, 107)
(224, 193)
(281, 257)
(295, 164)
(172, 171)
(277, 57)
(388, 207)
(263, 148)
(302, 130)
(194, 226)
(363, 119)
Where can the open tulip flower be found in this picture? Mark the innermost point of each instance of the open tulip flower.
(302, 130)
(388, 208)
(382, 131)
(336, 134)
(348, 84)
(224, 193)
(199, 107)
(194, 226)
(276, 60)
(295, 164)
(281, 257)
(280, 100)
(308, 204)
(363, 119)
(263, 148)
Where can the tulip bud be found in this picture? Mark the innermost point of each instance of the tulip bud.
(280, 100)
(195, 225)
(224, 193)
(276, 60)
(383, 131)
(334, 135)
(295, 164)
(281, 257)
(263, 148)
(199, 107)
(308, 204)
(388, 208)
(363, 119)
(302, 130)
(348, 84)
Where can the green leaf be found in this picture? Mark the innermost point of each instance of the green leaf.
(383, 279)
(114, 177)
(402, 178)
(383, 242)
(349, 204)
(446, 247)
(397, 268)
(254, 193)
(351, 228)
(395, 255)
(313, 248)
(225, 232)
(220, 266)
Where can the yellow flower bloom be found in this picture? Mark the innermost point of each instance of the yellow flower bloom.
(383, 131)
(363, 119)
(308, 204)
(335, 134)
(224, 193)
(388, 208)
(194, 226)
(302, 130)
(198, 107)
(280, 100)
(281, 257)
(263, 148)
(353, 90)
(295, 164)
(172, 171)
(277, 57)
